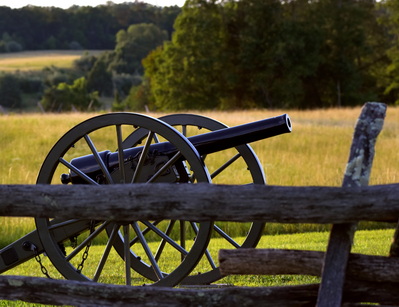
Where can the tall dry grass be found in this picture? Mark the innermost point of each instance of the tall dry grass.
(37, 60)
(315, 153)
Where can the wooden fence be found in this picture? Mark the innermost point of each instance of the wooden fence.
(346, 279)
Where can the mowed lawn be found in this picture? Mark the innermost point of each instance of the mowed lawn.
(37, 60)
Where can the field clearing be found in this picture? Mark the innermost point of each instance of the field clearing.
(315, 153)
(37, 60)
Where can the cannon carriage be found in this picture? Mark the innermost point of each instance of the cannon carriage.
(129, 148)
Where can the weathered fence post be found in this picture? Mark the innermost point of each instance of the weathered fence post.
(394, 250)
(357, 174)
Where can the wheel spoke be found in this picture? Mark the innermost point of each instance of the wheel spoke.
(226, 236)
(225, 165)
(120, 153)
(98, 159)
(77, 171)
(54, 224)
(182, 236)
(147, 250)
(207, 254)
(165, 237)
(87, 240)
(126, 253)
(161, 246)
(107, 250)
(165, 167)
(156, 140)
(143, 156)
(144, 231)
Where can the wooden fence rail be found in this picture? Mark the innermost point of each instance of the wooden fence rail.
(68, 292)
(203, 202)
(372, 278)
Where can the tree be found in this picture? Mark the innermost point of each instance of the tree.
(10, 96)
(186, 72)
(134, 44)
(66, 97)
(84, 26)
(268, 53)
(349, 54)
(390, 80)
(251, 50)
(99, 78)
(137, 100)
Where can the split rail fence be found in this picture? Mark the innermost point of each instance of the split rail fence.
(347, 279)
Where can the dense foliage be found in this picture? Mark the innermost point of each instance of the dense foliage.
(222, 54)
(66, 97)
(271, 53)
(39, 28)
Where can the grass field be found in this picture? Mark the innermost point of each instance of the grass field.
(374, 242)
(315, 153)
(37, 60)
(366, 242)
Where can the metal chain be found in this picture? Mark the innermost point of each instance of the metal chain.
(39, 261)
(86, 252)
(44, 270)
(74, 241)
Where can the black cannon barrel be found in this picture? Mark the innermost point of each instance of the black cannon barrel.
(205, 143)
(247, 133)
(222, 139)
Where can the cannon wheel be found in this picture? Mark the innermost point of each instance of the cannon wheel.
(189, 124)
(71, 261)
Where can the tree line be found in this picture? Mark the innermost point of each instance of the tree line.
(230, 54)
(276, 54)
(79, 27)
(91, 79)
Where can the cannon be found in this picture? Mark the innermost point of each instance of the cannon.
(129, 148)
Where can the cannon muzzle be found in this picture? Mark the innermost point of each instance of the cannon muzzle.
(205, 143)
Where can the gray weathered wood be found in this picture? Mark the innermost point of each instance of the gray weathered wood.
(68, 292)
(394, 250)
(384, 293)
(357, 174)
(47, 291)
(246, 261)
(203, 202)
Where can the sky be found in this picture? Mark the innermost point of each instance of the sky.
(68, 3)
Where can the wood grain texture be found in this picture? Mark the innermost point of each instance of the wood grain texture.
(246, 261)
(203, 202)
(75, 293)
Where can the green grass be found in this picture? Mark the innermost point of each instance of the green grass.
(369, 242)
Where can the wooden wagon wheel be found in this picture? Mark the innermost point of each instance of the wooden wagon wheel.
(188, 125)
(71, 257)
